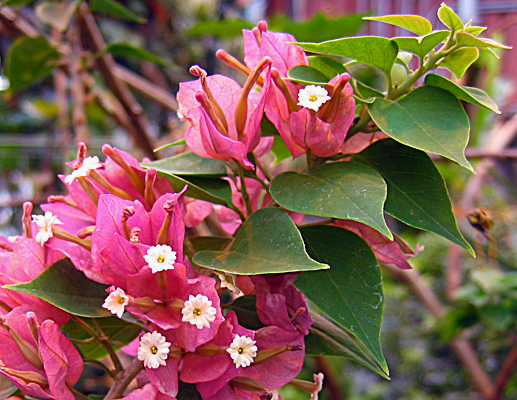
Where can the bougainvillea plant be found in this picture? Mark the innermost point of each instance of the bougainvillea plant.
(111, 266)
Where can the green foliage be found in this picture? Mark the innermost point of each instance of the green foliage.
(328, 66)
(65, 287)
(344, 190)
(267, 243)
(189, 164)
(115, 9)
(307, 76)
(423, 44)
(413, 121)
(28, 60)
(129, 51)
(449, 18)
(460, 60)
(222, 29)
(350, 292)
(416, 191)
(413, 23)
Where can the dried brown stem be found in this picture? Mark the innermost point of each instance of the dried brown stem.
(124, 378)
(106, 66)
(16, 25)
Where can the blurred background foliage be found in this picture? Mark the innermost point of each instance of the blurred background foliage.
(42, 119)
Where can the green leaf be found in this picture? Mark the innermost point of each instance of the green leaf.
(318, 28)
(222, 29)
(68, 289)
(449, 18)
(307, 76)
(268, 128)
(413, 23)
(115, 9)
(350, 292)
(328, 66)
(421, 45)
(328, 339)
(344, 190)
(467, 39)
(129, 51)
(366, 91)
(246, 309)
(14, 3)
(460, 60)
(189, 163)
(28, 60)
(429, 119)
(119, 332)
(280, 150)
(470, 94)
(176, 143)
(475, 30)
(377, 51)
(57, 15)
(417, 194)
(209, 242)
(267, 243)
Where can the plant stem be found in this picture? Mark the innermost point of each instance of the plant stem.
(245, 195)
(76, 392)
(109, 348)
(100, 365)
(124, 378)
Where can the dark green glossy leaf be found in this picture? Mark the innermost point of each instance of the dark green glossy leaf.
(460, 60)
(350, 292)
(280, 150)
(115, 9)
(307, 76)
(366, 92)
(267, 243)
(209, 242)
(67, 288)
(119, 332)
(328, 66)
(56, 14)
(344, 190)
(246, 309)
(268, 128)
(223, 29)
(470, 94)
(328, 339)
(28, 60)
(421, 45)
(467, 39)
(449, 18)
(129, 51)
(318, 28)
(377, 51)
(413, 23)
(429, 119)
(189, 163)
(416, 191)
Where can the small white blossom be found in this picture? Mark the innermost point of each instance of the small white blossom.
(153, 350)
(116, 302)
(312, 97)
(199, 311)
(89, 164)
(44, 223)
(160, 258)
(228, 281)
(242, 351)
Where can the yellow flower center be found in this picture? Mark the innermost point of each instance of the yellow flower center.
(241, 350)
(313, 98)
(160, 259)
(121, 300)
(196, 312)
(154, 349)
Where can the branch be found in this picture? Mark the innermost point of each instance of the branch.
(106, 66)
(505, 373)
(124, 378)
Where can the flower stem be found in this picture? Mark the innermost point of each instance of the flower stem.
(245, 195)
(109, 348)
(124, 378)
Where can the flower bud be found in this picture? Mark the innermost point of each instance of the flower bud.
(136, 180)
(29, 352)
(209, 350)
(27, 218)
(27, 376)
(268, 354)
(150, 178)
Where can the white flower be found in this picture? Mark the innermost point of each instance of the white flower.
(153, 350)
(312, 97)
(116, 302)
(44, 223)
(160, 258)
(199, 311)
(89, 163)
(228, 281)
(242, 351)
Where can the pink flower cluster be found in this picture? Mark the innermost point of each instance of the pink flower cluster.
(124, 226)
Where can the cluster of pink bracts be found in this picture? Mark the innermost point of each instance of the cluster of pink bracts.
(124, 226)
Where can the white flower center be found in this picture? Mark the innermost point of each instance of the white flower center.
(242, 351)
(313, 97)
(199, 311)
(44, 223)
(89, 164)
(116, 302)
(153, 350)
(160, 258)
